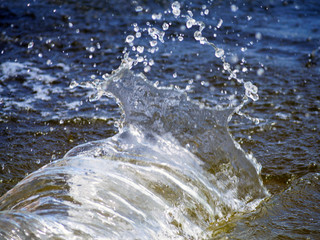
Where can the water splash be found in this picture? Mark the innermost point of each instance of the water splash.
(163, 111)
(157, 35)
(171, 171)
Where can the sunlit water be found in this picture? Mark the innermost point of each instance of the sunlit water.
(165, 131)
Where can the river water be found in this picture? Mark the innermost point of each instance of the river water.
(159, 119)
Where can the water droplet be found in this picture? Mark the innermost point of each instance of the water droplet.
(243, 49)
(140, 59)
(197, 35)
(135, 27)
(226, 66)
(244, 69)
(140, 49)
(156, 34)
(165, 26)
(234, 8)
(176, 8)
(129, 39)
(147, 69)
(220, 23)
(92, 49)
(190, 23)
(251, 91)
(156, 16)
(139, 9)
(205, 83)
(153, 43)
(258, 36)
(219, 52)
(260, 72)
(30, 45)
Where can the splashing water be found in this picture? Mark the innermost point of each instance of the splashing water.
(158, 35)
(172, 171)
(251, 91)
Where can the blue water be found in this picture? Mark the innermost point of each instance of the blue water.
(46, 45)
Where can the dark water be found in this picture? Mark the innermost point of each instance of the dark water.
(45, 45)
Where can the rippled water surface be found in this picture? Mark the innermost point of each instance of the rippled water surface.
(160, 148)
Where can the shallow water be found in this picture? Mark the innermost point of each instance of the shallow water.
(275, 45)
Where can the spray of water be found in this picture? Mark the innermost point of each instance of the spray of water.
(172, 171)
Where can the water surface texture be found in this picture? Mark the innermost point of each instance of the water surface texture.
(159, 119)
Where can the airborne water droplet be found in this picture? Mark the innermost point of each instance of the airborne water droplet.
(190, 23)
(165, 26)
(30, 45)
(244, 69)
(140, 59)
(129, 38)
(176, 8)
(140, 49)
(175, 75)
(219, 52)
(147, 69)
(197, 35)
(260, 72)
(156, 16)
(258, 36)
(139, 9)
(219, 23)
(226, 66)
(234, 8)
(251, 91)
(153, 43)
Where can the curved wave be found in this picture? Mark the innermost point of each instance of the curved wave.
(171, 172)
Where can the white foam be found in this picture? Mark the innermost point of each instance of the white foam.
(39, 81)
